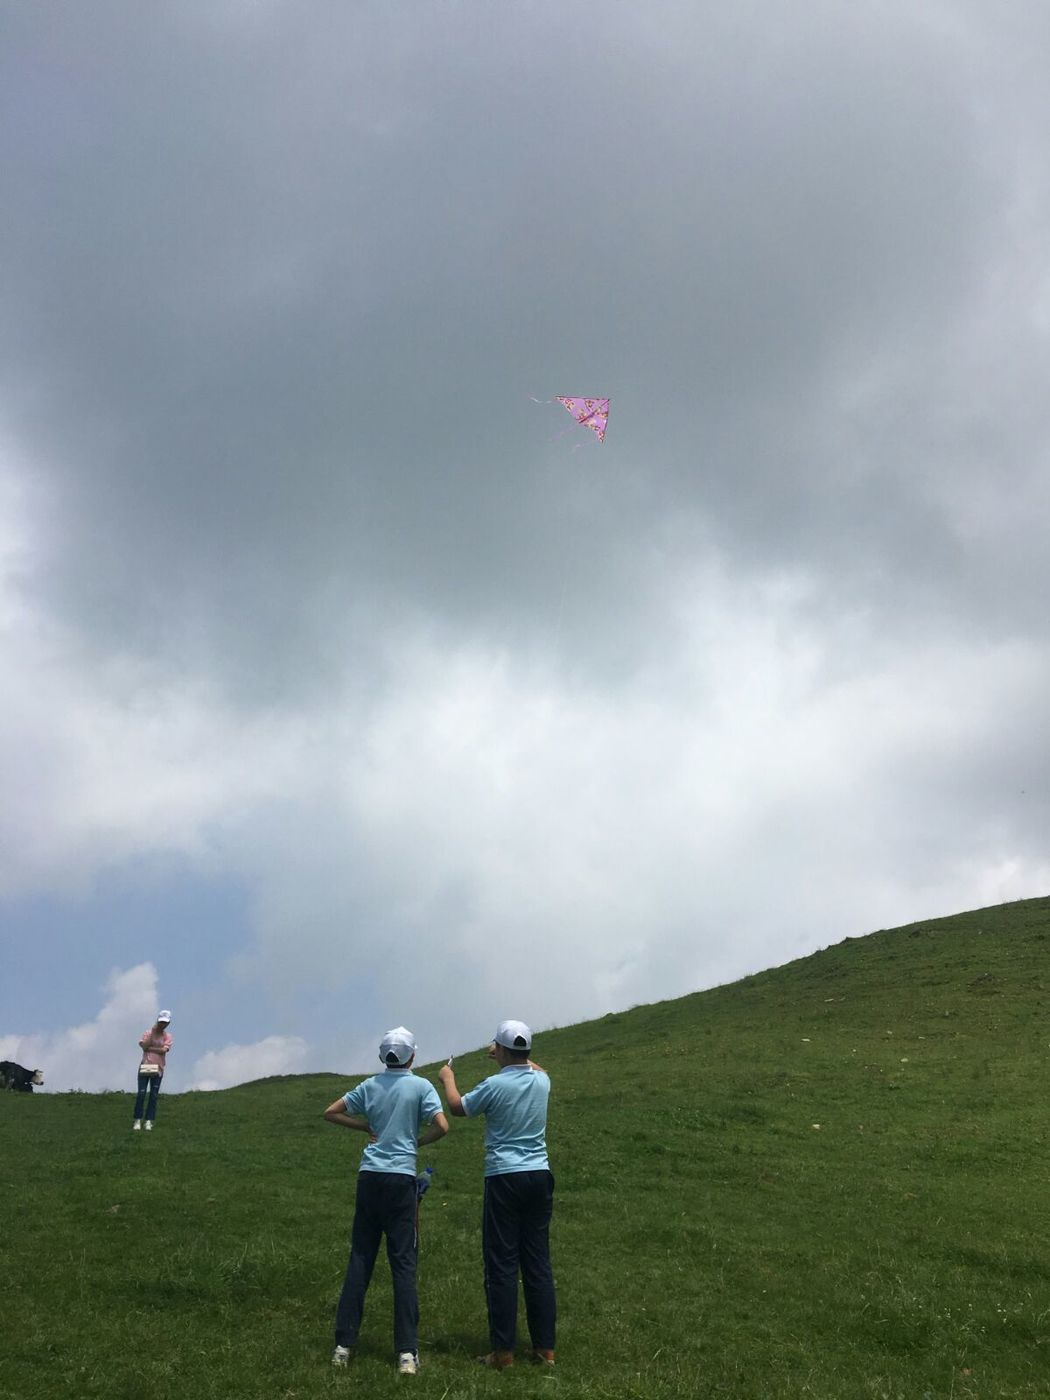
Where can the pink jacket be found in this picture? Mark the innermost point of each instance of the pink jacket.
(155, 1048)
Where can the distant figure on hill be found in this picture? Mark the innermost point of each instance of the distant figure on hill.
(519, 1193)
(155, 1043)
(391, 1108)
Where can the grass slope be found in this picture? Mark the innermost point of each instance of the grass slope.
(710, 1238)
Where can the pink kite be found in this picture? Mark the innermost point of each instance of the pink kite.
(594, 413)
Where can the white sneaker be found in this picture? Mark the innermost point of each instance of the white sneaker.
(137, 1125)
(408, 1363)
(149, 1125)
(341, 1356)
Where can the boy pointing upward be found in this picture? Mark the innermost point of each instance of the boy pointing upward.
(519, 1193)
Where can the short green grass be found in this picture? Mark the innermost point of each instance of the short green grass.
(829, 1180)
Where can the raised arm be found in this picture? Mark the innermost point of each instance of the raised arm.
(452, 1095)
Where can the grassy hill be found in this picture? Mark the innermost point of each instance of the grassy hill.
(829, 1180)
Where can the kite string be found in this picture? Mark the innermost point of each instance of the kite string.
(568, 555)
(559, 615)
(554, 436)
(556, 640)
(557, 619)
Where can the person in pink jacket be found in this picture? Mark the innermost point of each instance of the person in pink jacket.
(155, 1043)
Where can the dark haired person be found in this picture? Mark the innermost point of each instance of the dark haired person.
(155, 1044)
(391, 1108)
(519, 1193)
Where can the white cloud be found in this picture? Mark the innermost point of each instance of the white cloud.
(488, 820)
(235, 1064)
(111, 757)
(490, 825)
(98, 1054)
(103, 1053)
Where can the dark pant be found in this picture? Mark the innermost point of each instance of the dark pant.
(148, 1083)
(516, 1234)
(386, 1205)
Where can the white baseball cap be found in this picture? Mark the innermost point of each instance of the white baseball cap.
(163, 1016)
(398, 1046)
(514, 1035)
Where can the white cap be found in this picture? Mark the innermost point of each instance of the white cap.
(397, 1047)
(514, 1035)
(163, 1016)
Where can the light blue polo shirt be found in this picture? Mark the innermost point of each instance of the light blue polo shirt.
(396, 1104)
(514, 1103)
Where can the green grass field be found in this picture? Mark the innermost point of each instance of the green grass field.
(831, 1180)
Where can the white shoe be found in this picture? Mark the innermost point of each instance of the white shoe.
(149, 1125)
(408, 1363)
(137, 1125)
(340, 1356)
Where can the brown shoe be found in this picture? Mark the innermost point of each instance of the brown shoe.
(497, 1360)
(541, 1357)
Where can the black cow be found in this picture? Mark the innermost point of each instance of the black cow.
(16, 1077)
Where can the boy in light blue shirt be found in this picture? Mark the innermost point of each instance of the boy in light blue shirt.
(391, 1107)
(514, 1104)
(519, 1193)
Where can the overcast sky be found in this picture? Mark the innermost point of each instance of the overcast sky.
(342, 684)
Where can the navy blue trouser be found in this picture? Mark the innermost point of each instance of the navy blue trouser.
(515, 1234)
(148, 1083)
(386, 1205)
